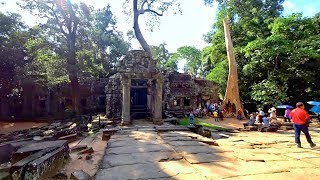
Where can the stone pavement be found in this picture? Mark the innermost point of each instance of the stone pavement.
(142, 153)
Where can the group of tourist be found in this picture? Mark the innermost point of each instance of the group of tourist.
(299, 117)
(210, 109)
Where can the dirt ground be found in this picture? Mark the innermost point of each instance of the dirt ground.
(6, 127)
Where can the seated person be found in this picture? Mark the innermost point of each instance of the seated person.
(265, 121)
(197, 112)
(251, 121)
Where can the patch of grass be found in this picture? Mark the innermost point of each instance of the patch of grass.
(185, 122)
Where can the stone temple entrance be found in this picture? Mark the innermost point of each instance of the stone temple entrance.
(139, 99)
(135, 92)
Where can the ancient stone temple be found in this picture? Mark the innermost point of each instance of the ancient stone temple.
(140, 90)
(136, 89)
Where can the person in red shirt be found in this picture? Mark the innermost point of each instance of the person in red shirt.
(300, 118)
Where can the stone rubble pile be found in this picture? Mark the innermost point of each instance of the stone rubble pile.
(38, 153)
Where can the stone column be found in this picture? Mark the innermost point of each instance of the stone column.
(126, 84)
(157, 116)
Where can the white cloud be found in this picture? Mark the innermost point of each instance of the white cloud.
(289, 5)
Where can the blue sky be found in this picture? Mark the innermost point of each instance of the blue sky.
(175, 30)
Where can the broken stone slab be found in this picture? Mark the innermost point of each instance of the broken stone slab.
(140, 149)
(79, 175)
(209, 157)
(106, 137)
(43, 167)
(138, 158)
(70, 138)
(185, 143)
(17, 169)
(110, 130)
(88, 150)
(197, 149)
(178, 138)
(224, 135)
(48, 132)
(6, 151)
(25, 151)
(208, 141)
(171, 128)
(78, 148)
(135, 171)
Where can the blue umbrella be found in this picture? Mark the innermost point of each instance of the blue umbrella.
(285, 106)
(314, 103)
(315, 109)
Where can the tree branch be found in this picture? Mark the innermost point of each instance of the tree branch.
(151, 11)
(144, 2)
(58, 22)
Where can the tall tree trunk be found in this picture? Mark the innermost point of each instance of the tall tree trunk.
(73, 74)
(137, 30)
(232, 97)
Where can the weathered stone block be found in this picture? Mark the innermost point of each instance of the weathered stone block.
(17, 169)
(88, 150)
(35, 147)
(106, 137)
(6, 151)
(44, 167)
(78, 148)
(69, 138)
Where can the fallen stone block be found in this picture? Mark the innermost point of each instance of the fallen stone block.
(224, 135)
(79, 175)
(44, 167)
(88, 150)
(110, 131)
(78, 148)
(35, 147)
(106, 137)
(70, 138)
(18, 168)
(88, 157)
(48, 132)
(6, 151)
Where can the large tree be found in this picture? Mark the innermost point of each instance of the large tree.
(13, 35)
(63, 19)
(286, 64)
(154, 8)
(248, 21)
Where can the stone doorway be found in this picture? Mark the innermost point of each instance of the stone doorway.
(139, 99)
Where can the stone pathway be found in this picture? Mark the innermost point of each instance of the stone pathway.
(142, 153)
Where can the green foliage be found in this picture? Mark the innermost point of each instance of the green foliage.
(192, 55)
(269, 93)
(165, 60)
(13, 55)
(98, 46)
(186, 122)
(219, 74)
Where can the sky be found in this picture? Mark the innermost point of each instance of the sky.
(175, 30)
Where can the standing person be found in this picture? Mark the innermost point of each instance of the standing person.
(216, 116)
(191, 118)
(300, 118)
(287, 115)
(239, 114)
